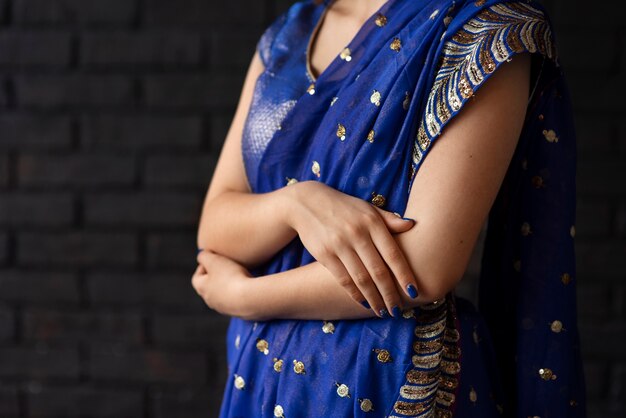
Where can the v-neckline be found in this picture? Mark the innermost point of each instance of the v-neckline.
(316, 28)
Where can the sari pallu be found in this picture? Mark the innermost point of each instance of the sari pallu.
(364, 127)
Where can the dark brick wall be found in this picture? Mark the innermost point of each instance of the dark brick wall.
(112, 115)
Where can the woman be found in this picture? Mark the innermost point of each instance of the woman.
(340, 307)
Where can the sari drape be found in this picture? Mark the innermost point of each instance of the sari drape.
(364, 126)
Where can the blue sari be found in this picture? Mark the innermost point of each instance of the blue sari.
(364, 126)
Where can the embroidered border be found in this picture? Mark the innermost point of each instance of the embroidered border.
(484, 42)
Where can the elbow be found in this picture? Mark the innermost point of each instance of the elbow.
(438, 284)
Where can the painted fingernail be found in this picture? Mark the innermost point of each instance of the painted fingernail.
(383, 313)
(396, 311)
(366, 305)
(408, 219)
(411, 290)
(199, 251)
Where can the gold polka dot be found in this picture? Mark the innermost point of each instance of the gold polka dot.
(341, 131)
(345, 54)
(240, 383)
(316, 168)
(537, 181)
(366, 405)
(328, 327)
(566, 278)
(473, 396)
(381, 20)
(278, 411)
(396, 44)
(540, 117)
(479, 3)
(375, 98)
(278, 364)
(556, 326)
(311, 89)
(298, 367)
(382, 355)
(343, 390)
(370, 136)
(550, 135)
(547, 374)
(262, 345)
(291, 181)
(434, 14)
(378, 200)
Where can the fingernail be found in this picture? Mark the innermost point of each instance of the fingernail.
(366, 305)
(411, 290)
(396, 311)
(408, 219)
(199, 251)
(383, 313)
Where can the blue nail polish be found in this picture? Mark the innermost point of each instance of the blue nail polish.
(366, 305)
(383, 313)
(199, 251)
(408, 219)
(396, 311)
(412, 290)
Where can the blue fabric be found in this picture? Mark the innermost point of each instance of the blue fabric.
(517, 353)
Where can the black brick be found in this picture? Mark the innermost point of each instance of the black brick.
(77, 248)
(54, 326)
(42, 287)
(186, 402)
(35, 131)
(233, 50)
(39, 362)
(188, 330)
(143, 209)
(598, 177)
(83, 12)
(600, 258)
(113, 362)
(4, 171)
(76, 170)
(36, 209)
(9, 401)
(179, 171)
(172, 250)
(41, 49)
(7, 324)
(193, 90)
(142, 132)
(62, 91)
(593, 218)
(152, 50)
(4, 247)
(202, 13)
(58, 401)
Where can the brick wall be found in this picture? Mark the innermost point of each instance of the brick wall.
(112, 114)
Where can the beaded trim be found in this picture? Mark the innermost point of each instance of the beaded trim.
(473, 53)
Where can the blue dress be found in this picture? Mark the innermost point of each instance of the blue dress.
(364, 126)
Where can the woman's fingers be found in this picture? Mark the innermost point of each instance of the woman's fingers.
(362, 279)
(393, 221)
(394, 258)
(381, 276)
(341, 274)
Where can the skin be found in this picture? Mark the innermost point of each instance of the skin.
(373, 255)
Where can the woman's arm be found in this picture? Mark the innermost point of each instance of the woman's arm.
(450, 199)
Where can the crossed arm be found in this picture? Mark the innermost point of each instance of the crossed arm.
(450, 199)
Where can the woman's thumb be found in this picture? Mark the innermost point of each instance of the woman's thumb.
(395, 222)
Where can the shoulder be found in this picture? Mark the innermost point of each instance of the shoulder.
(290, 18)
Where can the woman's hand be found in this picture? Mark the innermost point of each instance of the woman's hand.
(352, 239)
(218, 280)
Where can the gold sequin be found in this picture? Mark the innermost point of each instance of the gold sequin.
(573, 402)
(343, 390)
(328, 327)
(566, 278)
(375, 98)
(406, 101)
(537, 181)
(381, 19)
(378, 200)
(540, 117)
(525, 229)
(547, 374)
(298, 367)
(434, 14)
(550, 135)
(262, 345)
(366, 405)
(316, 168)
(370, 136)
(396, 44)
(473, 396)
(345, 54)
(556, 326)
(278, 364)
(479, 3)
(341, 131)
(447, 20)
(291, 181)
(382, 355)
(239, 382)
(408, 313)
(572, 231)
(278, 411)
(237, 340)
(311, 89)
(334, 99)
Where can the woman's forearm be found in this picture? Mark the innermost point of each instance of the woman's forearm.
(306, 292)
(247, 227)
